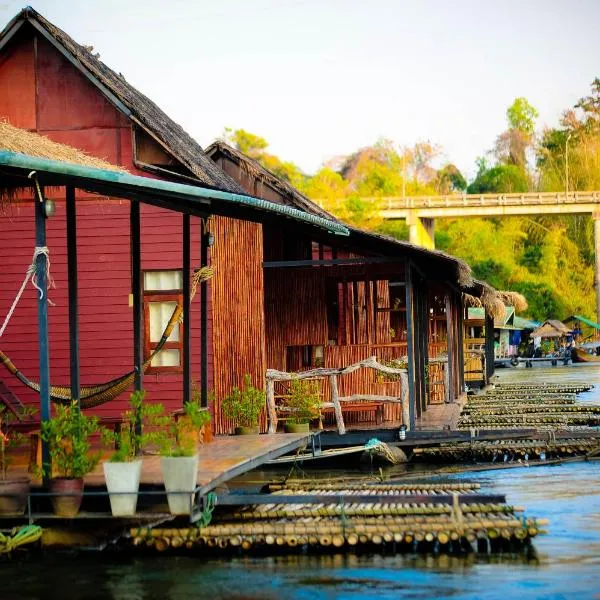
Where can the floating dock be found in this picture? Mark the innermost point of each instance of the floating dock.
(440, 518)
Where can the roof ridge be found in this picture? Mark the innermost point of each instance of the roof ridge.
(143, 111)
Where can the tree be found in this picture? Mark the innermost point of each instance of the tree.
(521, 115)
(449, 179)
(255, 147)
(499, 179)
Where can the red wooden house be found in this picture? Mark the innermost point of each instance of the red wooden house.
(282, 296)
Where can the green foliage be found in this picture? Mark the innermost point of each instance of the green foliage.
(549, 258)
(521, 115)
(449, 180)
(509, 179)
(304, 401)
(178, 435)
(129, 442)
(244, 405)
(10, 438)
(68, 437)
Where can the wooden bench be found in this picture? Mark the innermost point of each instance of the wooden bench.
(360, 407)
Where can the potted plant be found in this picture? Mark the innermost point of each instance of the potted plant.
(303, 403)
(14, 491)
(244, 407)
(179, 451)
(68, 437)
(123, 469)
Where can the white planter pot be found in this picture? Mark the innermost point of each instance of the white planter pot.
(122, 478)
(179, 475)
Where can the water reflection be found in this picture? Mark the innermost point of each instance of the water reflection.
(566, 564)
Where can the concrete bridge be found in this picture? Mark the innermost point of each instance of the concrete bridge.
(420, 212)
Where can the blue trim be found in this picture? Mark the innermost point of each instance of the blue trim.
(161, 189)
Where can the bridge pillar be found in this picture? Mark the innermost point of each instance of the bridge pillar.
(421, 231)
(596, 217)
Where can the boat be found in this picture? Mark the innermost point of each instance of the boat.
(309, 456)
(581, 356)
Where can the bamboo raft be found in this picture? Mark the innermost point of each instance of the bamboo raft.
(561, 387)
(509, 450)
(526, 406)
(465, 523)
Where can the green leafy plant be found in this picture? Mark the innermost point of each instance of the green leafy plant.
(179, 435)
(303, 401)
(68, 437)
(131, 439)
(244, 405)
(9, 438)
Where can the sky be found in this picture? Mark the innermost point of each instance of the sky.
(322, 78)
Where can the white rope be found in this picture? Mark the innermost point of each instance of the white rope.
(31, 274)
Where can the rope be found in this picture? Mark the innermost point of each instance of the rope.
(206, 513)
(26, 535)
(31, 274)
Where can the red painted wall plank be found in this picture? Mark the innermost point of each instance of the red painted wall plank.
(67, 100)
(105, 317)
(17, 84)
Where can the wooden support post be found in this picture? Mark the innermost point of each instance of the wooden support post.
(460, 342)
(447, 382)
(597, 263)
(204, 317)
(489, 346)
(410, 347)
(335, 399)
(42, 305)
(136, 290)
(73, 294)
(450, 350)
(187, 372)
(270, 394)
(405, 400)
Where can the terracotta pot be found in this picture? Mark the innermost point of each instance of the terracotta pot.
(297, 427)
(13, 495)
(70, 495)
(243, 430)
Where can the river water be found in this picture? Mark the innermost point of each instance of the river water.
(566, 563)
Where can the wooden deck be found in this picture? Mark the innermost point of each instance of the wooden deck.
(224, 458)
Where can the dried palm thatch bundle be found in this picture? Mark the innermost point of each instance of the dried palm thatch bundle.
(471, 301)
(14, 139)
(514, 299)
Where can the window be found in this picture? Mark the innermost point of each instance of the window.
(162, 294)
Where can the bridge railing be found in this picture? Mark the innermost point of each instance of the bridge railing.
(466, 200)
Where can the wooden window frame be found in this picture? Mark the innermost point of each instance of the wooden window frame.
(162, 296)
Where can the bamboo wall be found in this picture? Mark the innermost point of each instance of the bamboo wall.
(296, 312)
(238, 313)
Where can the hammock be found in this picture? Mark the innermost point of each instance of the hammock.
(94, 395)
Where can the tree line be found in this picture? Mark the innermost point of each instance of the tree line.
(548, 258)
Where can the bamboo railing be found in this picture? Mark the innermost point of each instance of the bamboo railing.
(331, 374)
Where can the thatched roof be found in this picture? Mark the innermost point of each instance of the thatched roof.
(14, 139)
(482, 294)
(254, 168)
(514, 299)
(552, 328)
(139, 108)
(458, 270)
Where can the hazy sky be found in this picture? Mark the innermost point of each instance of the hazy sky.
(320, 78)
